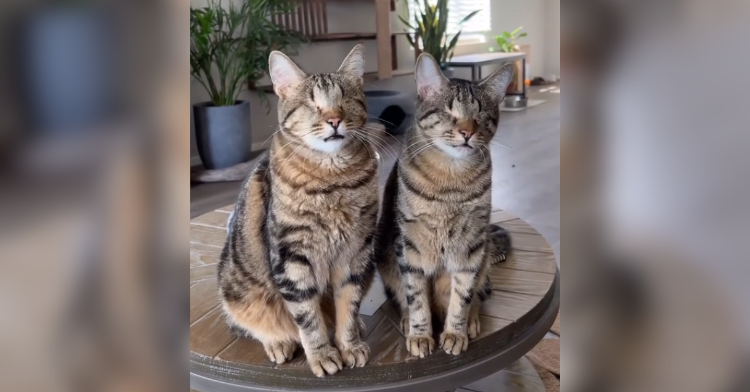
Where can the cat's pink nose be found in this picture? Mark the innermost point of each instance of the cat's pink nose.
(334, 122)
(466, 133)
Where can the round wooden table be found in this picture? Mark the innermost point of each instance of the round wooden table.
(523, 306)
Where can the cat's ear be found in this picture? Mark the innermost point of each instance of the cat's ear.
(498, 82)
(430, 78)
(284, 73)
(354, 63)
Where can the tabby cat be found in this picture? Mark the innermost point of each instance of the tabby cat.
(304, 222)
(435, 242)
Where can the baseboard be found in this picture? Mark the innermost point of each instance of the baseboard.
(196, 160)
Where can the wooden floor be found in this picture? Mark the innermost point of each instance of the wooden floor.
(518, 377)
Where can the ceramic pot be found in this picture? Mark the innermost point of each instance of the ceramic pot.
(222, 133)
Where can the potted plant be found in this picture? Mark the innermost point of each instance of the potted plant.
(229, 47)
(429, 27)
(507, 43)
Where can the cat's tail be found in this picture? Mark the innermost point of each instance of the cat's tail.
(386, 252)
(499, 245)
(233, 173)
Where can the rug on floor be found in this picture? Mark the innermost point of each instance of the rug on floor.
(546, 358)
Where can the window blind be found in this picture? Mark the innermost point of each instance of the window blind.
(457, 10)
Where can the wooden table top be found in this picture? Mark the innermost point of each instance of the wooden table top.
(523, 305)
(485, 58)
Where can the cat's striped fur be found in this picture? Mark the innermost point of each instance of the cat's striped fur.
(435, 243)
(303, 228)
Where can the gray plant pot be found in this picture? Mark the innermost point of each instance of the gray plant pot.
(222, 133)
(394, 109)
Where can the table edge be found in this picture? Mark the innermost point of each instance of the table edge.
(447, 380)
(478, 63)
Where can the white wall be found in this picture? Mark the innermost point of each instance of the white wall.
(510, 14)
(552, 41)
(359, 16)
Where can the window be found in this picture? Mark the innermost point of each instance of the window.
(458, 9)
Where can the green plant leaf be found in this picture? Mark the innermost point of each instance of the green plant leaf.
(230, 45)
(453, 42)
(467, 17)
(451, 47)
(430, 25)
(442, 17)
(406, 22)
(412, 42)
(522, 35)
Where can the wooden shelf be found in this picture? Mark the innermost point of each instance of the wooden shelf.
(369, 78)
(331, 37)
(309, 17)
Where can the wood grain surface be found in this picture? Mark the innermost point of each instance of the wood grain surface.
(523, 287)
(213, 218)
(201, 254)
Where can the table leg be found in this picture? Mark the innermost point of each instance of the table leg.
(383, 38)
(473, 73)
(479, 72)
(523, 82)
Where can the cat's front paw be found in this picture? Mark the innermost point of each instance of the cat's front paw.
(355, 354)
(420, 345)
(454, 342)
(280, 352)
(474, 327)
(325, 360)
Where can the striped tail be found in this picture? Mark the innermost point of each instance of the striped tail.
(499, 244)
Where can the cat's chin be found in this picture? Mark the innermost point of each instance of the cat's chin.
(330, 146)
(457, 152)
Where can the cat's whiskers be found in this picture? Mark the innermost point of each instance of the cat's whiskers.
(364, 144)
(379, 143)
(380, 119)
(421, 149)
(418, 147)
(380, 131)
(269, 138)
(481, 151)
(379, 138)
(378, 147)
(291, 155)
(502, 144)
(295, 138)
(387, 148)
(415, 143)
